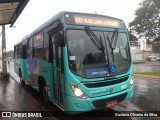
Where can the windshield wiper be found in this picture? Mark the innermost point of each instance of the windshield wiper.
(112, 44)
(96, 41)
(115, 35)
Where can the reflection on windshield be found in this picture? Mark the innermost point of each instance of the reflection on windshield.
(88, 61)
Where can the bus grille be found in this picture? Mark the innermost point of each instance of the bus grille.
(102, 103)
(106, 83)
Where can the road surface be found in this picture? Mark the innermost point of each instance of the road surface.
(146, 99)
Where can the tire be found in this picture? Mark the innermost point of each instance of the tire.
(43, 91)
(20, 77)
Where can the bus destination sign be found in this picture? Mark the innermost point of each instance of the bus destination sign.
(93, 20)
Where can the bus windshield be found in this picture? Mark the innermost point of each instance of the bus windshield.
(87, 60)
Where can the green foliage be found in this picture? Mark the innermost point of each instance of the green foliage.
(133, 38)
(147, 20)
(5, 76)
(150, 73)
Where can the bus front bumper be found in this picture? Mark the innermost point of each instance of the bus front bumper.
(76, 105)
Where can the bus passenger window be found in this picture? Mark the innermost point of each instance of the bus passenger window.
(19, 50)
(24, 54)
(29, 48)
(39, 51)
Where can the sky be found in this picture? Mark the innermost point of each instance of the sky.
(39, 11)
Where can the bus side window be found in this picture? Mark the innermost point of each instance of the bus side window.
(57, 53)
(24, 52)
(14, 55)
(54, 50)
(50, 55)
(38, 44)
(46, 44)
(19, 50)
(29, 48)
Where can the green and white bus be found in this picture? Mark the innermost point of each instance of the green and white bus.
(78, 61)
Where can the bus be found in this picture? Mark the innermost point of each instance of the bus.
(78, 61)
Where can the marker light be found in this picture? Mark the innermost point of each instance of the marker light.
(77, 91)
(131, 83)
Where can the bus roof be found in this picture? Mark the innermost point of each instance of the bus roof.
(44, 25)
(80, 19)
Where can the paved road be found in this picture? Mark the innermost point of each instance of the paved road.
(147, 67)
(17, 97)
(146, 97)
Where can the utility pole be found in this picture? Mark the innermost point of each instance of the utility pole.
(4, 60)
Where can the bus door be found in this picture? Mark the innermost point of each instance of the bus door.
(57, 74)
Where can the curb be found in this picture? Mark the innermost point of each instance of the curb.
(147, 76)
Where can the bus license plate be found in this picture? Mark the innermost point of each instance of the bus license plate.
(111, 104)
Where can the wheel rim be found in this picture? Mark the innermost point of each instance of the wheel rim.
(45, 93)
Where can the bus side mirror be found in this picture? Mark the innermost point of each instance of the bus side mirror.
(59, 39)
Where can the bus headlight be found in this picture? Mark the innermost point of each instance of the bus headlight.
(131, 83)
(77, 91)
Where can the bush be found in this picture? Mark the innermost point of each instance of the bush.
(5, 76)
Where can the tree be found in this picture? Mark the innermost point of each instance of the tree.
(147, 20)
(133, 39)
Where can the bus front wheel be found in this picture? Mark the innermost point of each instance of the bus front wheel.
(43, 91)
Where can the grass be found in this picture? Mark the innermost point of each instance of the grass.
(149, 73)
(139, 62)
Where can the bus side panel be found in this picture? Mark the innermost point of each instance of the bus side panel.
(24, 69)
(40, 69)
(17, 65)
(20, 64)
(46, 71)
(32, 72)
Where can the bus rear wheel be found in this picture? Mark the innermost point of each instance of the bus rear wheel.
(20, 77)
